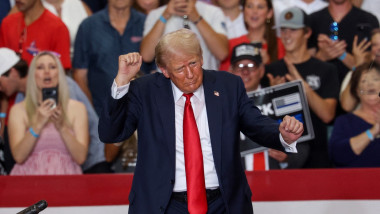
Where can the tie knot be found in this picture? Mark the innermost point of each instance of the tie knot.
(188, 96)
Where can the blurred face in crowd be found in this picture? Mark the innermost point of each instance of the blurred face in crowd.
(294, 39)
(9, 82)
(148, 5)
(250, 72)
(256, 13)
(25, 5)
(228, 4)
(375, 46)
(184, 70)
(46, 73)
(369, 87)
(120, 4)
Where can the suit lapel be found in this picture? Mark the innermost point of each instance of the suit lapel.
(213, 98)
(165, 104)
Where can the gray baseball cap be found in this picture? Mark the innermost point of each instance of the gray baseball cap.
(293, 17)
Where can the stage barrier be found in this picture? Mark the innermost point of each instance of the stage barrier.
(276, 191)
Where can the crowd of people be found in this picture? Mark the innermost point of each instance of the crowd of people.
(73, 46)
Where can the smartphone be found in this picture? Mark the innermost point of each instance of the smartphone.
(363, 31)
(50, 93)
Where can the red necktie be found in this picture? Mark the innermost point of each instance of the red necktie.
(195, 179)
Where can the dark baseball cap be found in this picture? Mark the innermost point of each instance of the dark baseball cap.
(248, 51)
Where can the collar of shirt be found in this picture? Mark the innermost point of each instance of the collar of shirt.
(177, 93)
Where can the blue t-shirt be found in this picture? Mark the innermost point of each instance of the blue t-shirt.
(346, 127)
(98, 46)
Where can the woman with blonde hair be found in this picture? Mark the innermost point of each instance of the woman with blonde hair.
(48, 136)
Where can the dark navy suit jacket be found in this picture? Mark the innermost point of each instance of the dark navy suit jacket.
(149, 107)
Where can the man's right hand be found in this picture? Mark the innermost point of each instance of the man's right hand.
(129, 65)
(330, 49)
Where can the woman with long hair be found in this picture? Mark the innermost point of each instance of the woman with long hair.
(259, 20)
(48, 136)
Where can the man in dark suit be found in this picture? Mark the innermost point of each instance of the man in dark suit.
(154, 105)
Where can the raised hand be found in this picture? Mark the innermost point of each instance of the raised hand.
(57, 118)
(175, 8)
(291, 129)
(129, 65)
(293, 72)
(44, 111)
(330, 49)
(275, 80)
(359, 50)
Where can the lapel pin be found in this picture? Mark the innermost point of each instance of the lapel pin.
(216, 93)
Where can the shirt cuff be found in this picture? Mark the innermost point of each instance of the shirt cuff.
(119, 92)
(289, 147)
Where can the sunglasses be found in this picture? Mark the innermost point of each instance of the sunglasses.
(334, 29)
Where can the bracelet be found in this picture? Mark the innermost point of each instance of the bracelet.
(33, 133)
(163, 20)
(343, 56)
(369, 135)
(198, 20)
(3, 115)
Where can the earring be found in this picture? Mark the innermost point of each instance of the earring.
(268, 21)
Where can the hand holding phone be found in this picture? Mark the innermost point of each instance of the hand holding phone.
(50, 93)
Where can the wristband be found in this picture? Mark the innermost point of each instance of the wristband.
(369, 135)
(163, 20)
(33, 133)
(3, 115)
(198, 20)
(343, 56)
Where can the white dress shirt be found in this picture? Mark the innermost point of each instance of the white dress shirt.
(199, 107)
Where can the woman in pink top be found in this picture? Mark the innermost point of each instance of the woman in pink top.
(258, 18)
(46, 136)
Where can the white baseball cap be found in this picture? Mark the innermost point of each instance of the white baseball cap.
(8, 58)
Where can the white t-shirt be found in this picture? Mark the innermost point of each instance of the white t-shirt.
(236, 28)
(213, 15)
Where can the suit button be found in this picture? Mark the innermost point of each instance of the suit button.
(171, 181)
(162, 209)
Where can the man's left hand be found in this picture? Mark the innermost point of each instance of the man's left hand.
(291, 129)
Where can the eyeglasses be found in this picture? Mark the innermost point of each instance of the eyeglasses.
(334, 28)
(240, 68)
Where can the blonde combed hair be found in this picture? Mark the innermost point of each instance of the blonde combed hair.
(32, 91)
(183, 39)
